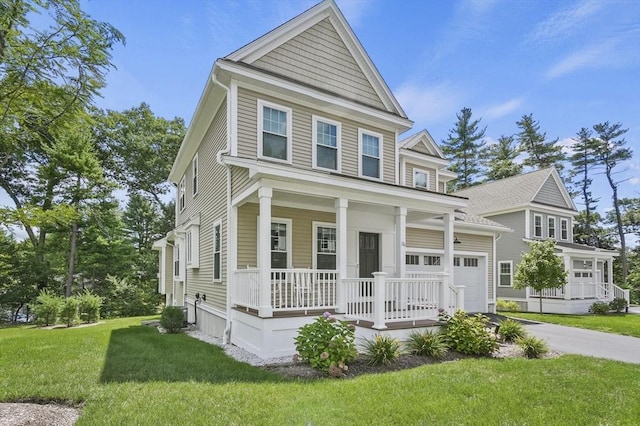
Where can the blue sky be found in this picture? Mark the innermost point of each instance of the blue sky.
(570, 63)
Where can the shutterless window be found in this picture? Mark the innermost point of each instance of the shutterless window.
(470, 262)
(432, 260)
(326, 247)
(564, 229)
(327, 138)
(176, 260)
(189, 248)
(182, 193)
(505, 274)
(194, 172)
(412, 259)
(537, 225)
(456, 261)
(275, 133)
(370, 145)
(551, 227)
(217, 251)
(420, 179)
(279, 245)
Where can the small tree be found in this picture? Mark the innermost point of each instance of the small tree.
(540, 268)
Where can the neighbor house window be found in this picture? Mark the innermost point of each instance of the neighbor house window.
(325, 245)
(217, 251)
(432, 260)
(506, 273)
(537, 225)
(370, 155)
(326, 144)
(551, 227)
(420, 179)
(279, 245)
(564, 229)
(181, 194)
(194, 172)
(412, 259)
(274, 132)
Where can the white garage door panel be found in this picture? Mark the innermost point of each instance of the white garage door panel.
(474, 279)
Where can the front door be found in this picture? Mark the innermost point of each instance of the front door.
(369, 254)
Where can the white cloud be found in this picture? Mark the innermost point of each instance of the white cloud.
(566, 145)
(594, 56)
(505, 108)
(562, 24)
(354, 10)
(634, 181)
(429, 104)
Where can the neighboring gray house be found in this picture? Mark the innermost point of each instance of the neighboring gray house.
(537, 206)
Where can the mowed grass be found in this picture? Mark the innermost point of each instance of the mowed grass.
(626, 324)
(123, 373)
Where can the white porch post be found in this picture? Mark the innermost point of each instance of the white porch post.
(264, 252)
(447, 279)
(401, 250)
(610, 271)
(567, 267)
(378, 300)
(341, 205)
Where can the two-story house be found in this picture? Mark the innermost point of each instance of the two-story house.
(537, 206)
(294, 196)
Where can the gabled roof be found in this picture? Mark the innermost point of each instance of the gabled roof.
(543, 187)
(326, 9)
(422, 142)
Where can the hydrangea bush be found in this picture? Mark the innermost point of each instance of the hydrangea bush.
(327, 344)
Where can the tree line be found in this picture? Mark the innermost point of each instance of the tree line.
(599, 150)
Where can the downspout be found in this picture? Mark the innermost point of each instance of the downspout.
(226, 335)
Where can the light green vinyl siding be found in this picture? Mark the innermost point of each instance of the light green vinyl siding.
(239, 180)
(318, 57)
(425, 238)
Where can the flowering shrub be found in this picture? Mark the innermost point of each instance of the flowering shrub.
(382, 350)
(469, 334)
(327, 344)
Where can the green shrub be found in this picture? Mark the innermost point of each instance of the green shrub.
(47, 308)
(618, 304)
(382, 350)
(469, 335)
(69, 311)
(511, 330)
(172, 319)
(507, 305)
(599, 308)
(89, 306)
(532, 346)
(427, 343)
(327, 344)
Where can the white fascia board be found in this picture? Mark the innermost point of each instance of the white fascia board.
(275, 86)
(159, 244)
(423, 157)
(470, 228)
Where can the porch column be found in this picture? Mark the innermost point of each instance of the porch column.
(341, 205)
(264, 252)
(567, 267)
(610, 271)
(447, 260)
(379, 293)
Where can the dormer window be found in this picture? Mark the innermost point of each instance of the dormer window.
(564, 229)
(370, 154)
(420, 179)
(274, 132)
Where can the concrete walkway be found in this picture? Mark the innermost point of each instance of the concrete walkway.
(579, 341)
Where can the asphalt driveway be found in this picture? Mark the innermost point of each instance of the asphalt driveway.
(587, 342)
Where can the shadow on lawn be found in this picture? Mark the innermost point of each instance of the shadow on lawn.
(141, 354)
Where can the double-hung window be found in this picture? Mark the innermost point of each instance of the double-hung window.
(325, 242)
(217, 250)
(551, 227)
(326, 144)
(420, 179)
(537, 225)
(194, 173)
(182, 194)
(564, 229)
(280, 242)
(274, 132)
(370, 154)
(506, 273)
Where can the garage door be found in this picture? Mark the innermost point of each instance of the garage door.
(470, 272)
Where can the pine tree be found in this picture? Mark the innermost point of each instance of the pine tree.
(541, 153)
(499, 159)
(611, 151)
(462, 146)
(583, 161)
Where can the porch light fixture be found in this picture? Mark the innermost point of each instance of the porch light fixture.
(456, 240)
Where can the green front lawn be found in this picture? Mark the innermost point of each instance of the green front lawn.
(626, 324)
(124, 373)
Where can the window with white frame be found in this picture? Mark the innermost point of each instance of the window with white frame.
(274, 132)
(412, 259)
(420, 179)
(564, 229)
(176, 260)
(279, 245)
(505, 269)
(217, 251)
(325, 245)
(182, 189)
(189, 247)
(470, 262)
(456, 261)
(537, 225)
(194, 174)
(370, 154)
(326, 144)
(551, 227)
(432, 260)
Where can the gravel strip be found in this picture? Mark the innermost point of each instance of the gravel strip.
(26, 414)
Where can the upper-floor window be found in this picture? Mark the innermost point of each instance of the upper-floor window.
(181, 194)
(420, 179)
(564, 229)
(537, 225)
(326, 144)
(217, 251)
(189, 247)
(506, 273)
(325, 244)
(194, 173)
(370, 154)
(551, 227)
(274, 132)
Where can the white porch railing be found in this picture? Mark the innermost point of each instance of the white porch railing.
(576, 290)
(246, 289)
(622, 293)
